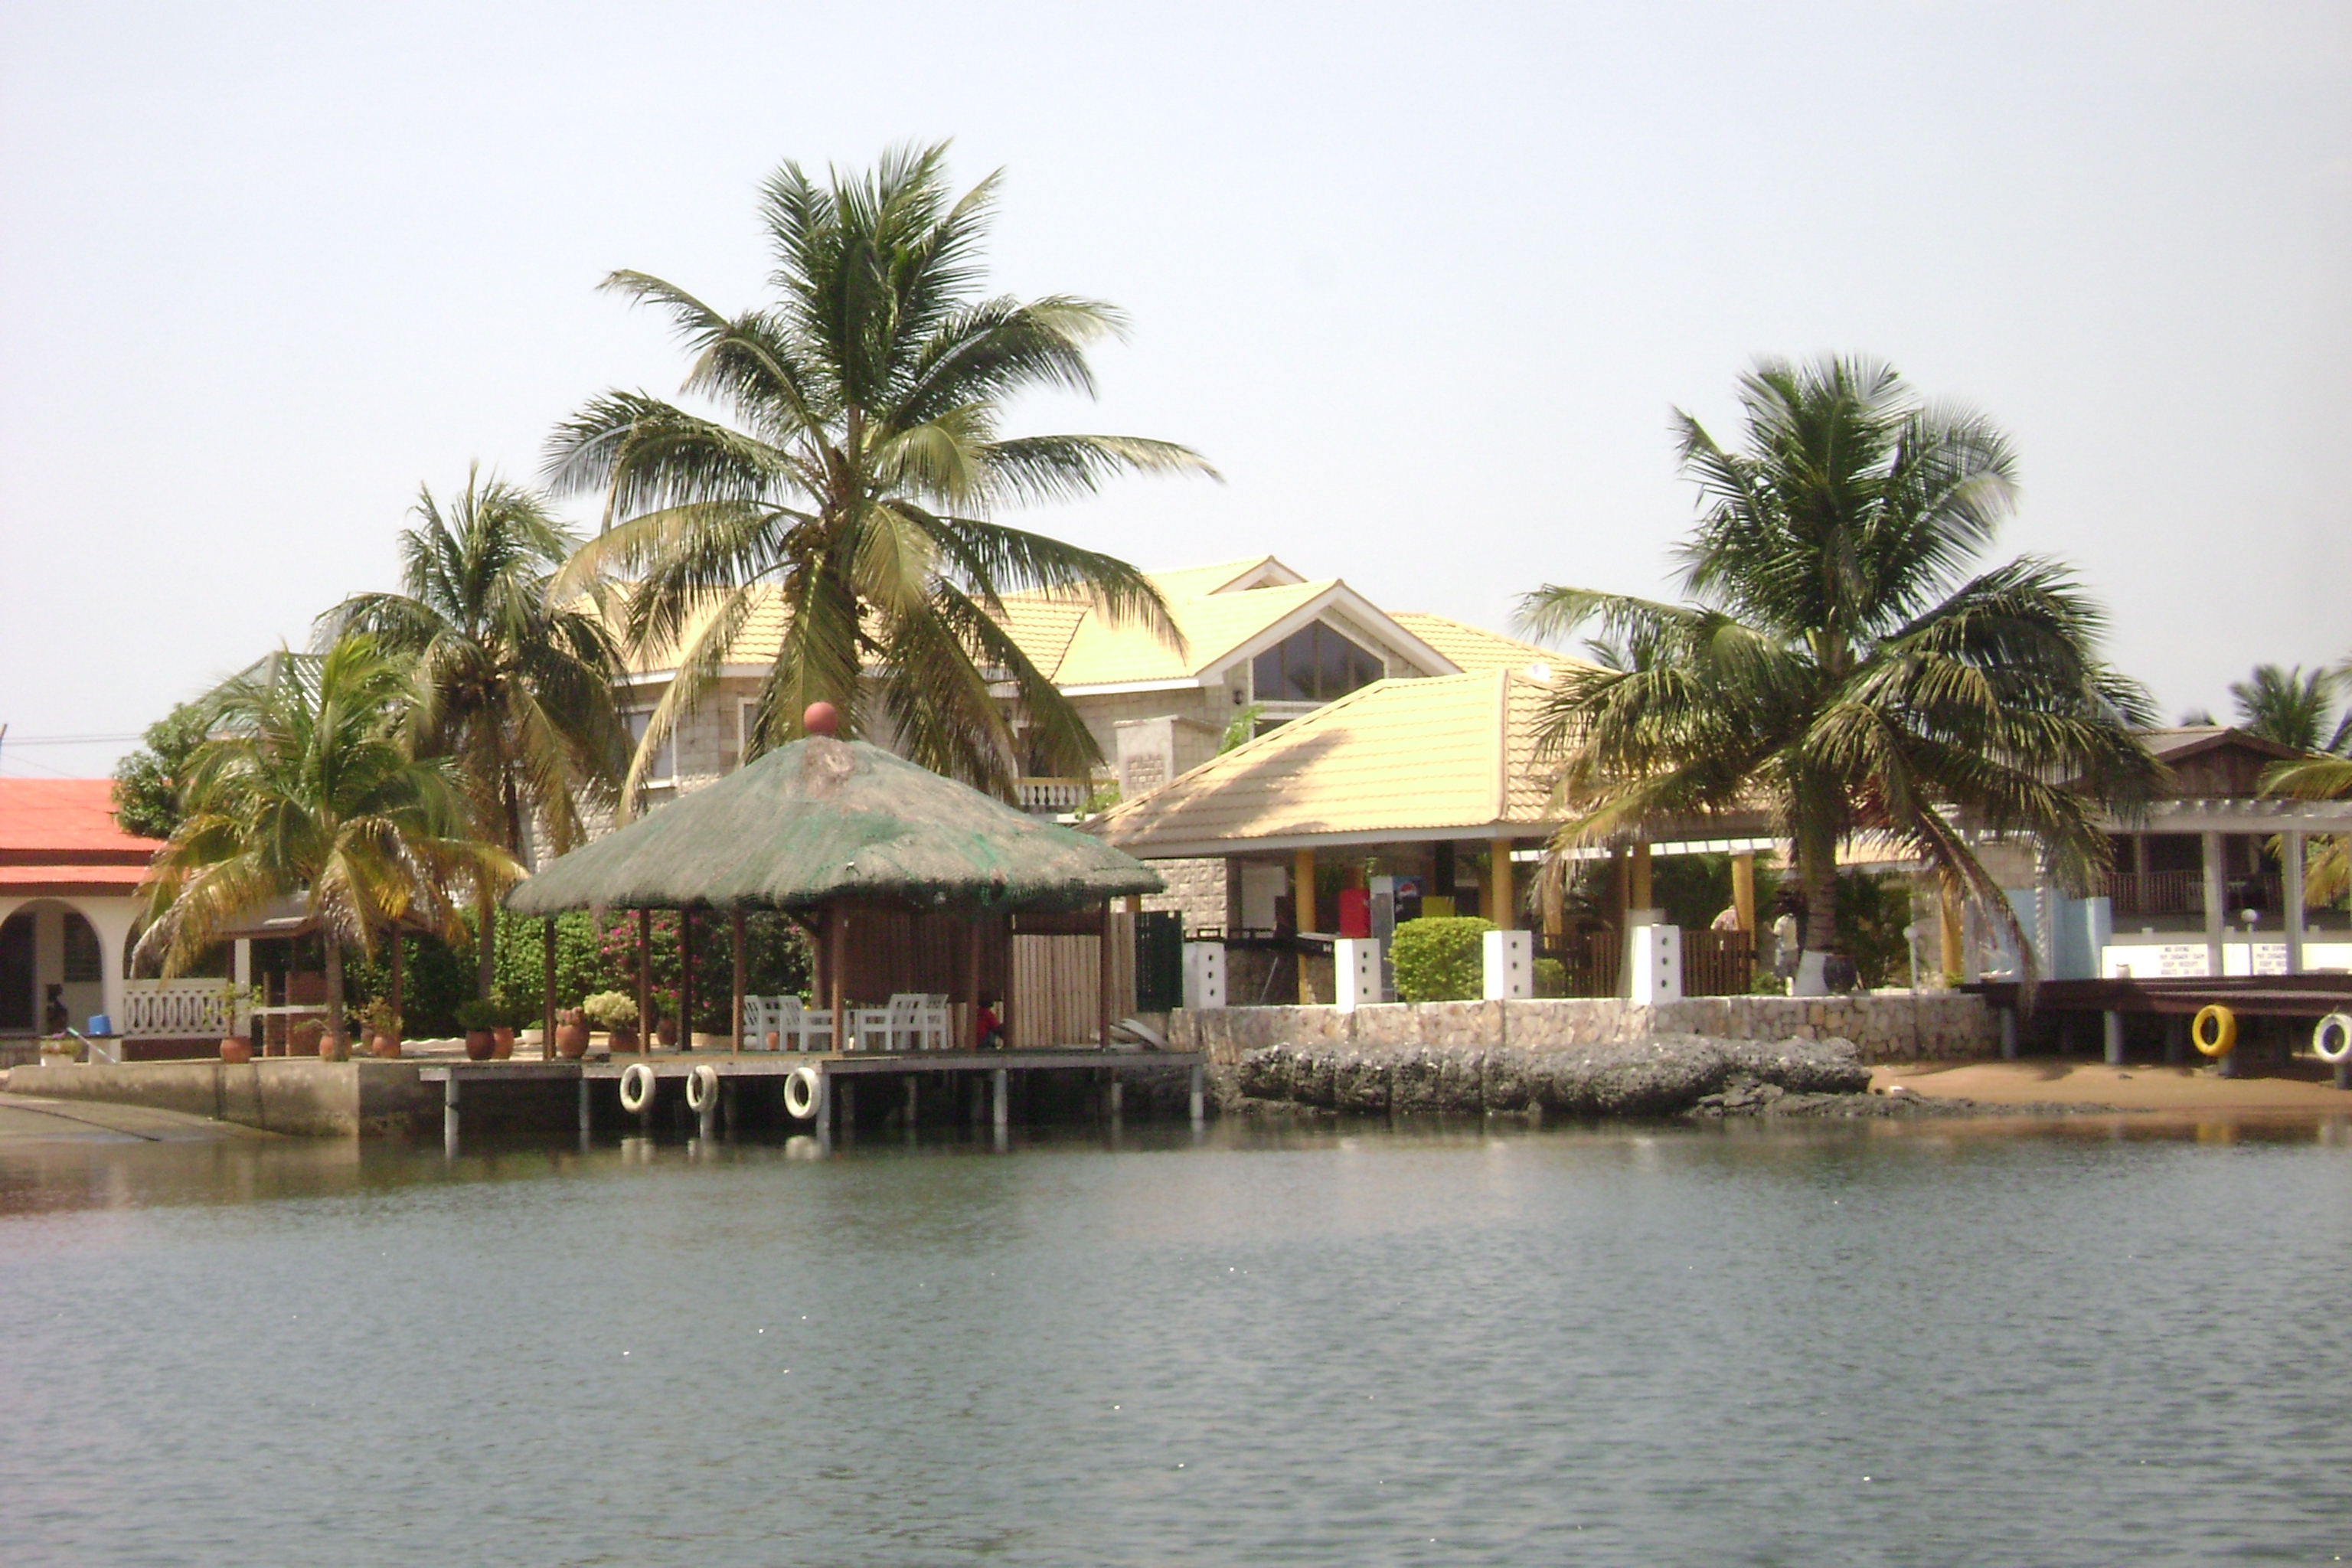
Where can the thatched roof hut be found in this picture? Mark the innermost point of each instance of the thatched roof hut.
(822, 821)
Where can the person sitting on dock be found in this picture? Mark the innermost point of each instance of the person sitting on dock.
(990, 1029)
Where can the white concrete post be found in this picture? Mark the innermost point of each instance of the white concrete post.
(2217, 893)
(1003, 1091)
(241, 1022)
(2115, 1039)
(1356, 969)
(2290, 886)
(1510, 966)
(1653, 965)
(1200, 1095)
(1204, 975)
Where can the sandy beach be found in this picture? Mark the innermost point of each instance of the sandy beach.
(2306, 1088)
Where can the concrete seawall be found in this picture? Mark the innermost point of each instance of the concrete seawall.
(300, 1096)
(1936, 1028)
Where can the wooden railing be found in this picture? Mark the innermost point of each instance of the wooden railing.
(2157, 893)
(1717, 963)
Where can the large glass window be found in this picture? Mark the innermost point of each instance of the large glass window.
(1314, 664)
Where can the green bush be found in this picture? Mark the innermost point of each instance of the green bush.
(1551, 977)
(480, 1013)
(1440, 960)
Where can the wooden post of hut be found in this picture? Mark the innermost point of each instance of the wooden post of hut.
(735, 1019)
(837, 941)
(645, 980)
(1102, 983)
(686, 978)
(547, 989)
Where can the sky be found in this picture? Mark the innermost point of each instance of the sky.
(1424, 283)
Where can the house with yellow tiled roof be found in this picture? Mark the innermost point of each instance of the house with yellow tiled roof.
(1253, 640)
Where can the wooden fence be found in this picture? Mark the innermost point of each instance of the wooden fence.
(1054, 998)
(1715, 962)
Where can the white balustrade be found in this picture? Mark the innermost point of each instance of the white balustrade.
(174, 1009)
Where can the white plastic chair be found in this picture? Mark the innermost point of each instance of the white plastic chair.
(809, 1029)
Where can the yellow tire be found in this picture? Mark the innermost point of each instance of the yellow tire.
(2225, 1030)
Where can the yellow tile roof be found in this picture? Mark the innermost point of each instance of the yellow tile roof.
(1099, 652)
(1476, 648)
(1402, 757)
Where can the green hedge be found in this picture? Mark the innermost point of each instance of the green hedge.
(1440, 960)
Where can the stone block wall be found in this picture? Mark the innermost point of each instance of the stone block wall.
(1936, 1028)
(1196, 890)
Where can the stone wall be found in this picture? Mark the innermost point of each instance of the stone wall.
(1940, 1027)
(305, 1098)
(1196, 890)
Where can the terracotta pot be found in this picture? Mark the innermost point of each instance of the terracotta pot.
(479, 1044)
(234, 1049)
(624, 1042)
(773, 1041)
(385, 1046)
(572, 1041)
(666, 1033)
(502, 1044)
(331, 1049)
(308, 1039)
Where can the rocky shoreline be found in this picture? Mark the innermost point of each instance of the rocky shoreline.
(1694, 1076)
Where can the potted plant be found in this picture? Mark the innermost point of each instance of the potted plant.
(479, 1019)
(615, 1013)
(378, 1025)
(309, 1037)
(237, 1047)
(666, 1019)
(571, 1034)
(58, 1050)
(502, 1032)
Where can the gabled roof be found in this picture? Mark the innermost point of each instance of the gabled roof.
(1451, 757)
(1476, 648)
(2173, 744)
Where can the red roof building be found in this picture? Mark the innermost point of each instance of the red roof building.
(69, 880)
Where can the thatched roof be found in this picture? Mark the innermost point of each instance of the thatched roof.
(821, 820)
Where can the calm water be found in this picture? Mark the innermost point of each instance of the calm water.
(1884, 1346)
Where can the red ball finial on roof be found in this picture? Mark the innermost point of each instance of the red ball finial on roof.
(821, 718)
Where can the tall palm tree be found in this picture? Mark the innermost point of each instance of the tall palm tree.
(2291, 708)
(309, 789)
(515, 689)
(1834, 666)
(855, 477)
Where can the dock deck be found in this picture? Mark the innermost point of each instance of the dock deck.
(831, 1096)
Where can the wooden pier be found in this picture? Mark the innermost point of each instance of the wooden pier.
(2295, 998)
(830, 1086)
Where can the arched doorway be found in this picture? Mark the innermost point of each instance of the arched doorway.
(53, 970)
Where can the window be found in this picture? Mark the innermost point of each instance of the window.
(1314, 664)
(663, 765)
(84, 965)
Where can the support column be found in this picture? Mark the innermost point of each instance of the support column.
(1102, 981)
(1743, 890)
(587, 1120)
(685, 979)
(2290, 886)
(1001, 1088)
(2115, 1038)
(243, 976)
(2216, 896)
(547, 1007)
(1302, 903)
(1951, 930)
(735, 1019)
(837, 943)
(1502, 897)
(2009, 1034)
(1199, 1095)
(646, 985)
(449, 1115)
(911, 1104)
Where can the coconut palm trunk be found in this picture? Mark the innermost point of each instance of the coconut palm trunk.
(338, 1030)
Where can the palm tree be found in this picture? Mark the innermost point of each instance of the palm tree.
(1835, 669)
(309, 790)
(2291, 708)
(856, 475)
(515, 689)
